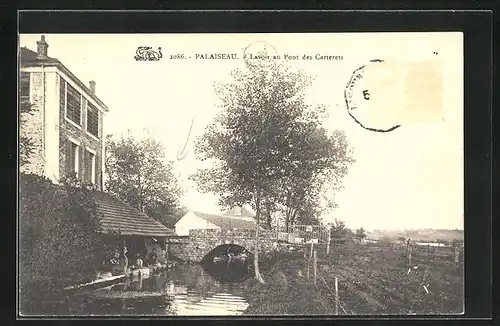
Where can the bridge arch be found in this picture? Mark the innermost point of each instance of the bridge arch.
(227, 248)
(201, 242)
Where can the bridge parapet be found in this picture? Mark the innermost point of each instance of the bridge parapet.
(202, 241)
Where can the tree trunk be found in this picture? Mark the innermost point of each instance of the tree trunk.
(256, 255)
(268, 215)
(287, 222)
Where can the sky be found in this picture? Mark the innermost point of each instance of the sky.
(411, 177)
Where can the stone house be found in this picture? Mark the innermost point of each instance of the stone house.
(67, 127)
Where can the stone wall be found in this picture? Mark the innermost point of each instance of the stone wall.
(33, 127)
(202, 241)
(51, 144)
(81, 135)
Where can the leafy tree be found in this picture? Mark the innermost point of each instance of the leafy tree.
(267, 145)
(139, 174)
(360, 234)
(338, 228)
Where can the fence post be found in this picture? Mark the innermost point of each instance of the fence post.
(315, 267)
(328, 241)
(336, 296)
(408, 253)
(307, 261)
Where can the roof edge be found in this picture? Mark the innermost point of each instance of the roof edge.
(57, 63)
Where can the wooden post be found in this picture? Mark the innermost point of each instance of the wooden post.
(457, 255)
(315, 266)
(408, 253)
(312, 248)
(336, 296)
(328, 241)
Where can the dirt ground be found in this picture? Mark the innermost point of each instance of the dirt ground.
(372, 280)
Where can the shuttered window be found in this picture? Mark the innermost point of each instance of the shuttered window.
(89, 167)
(24, 88)
(73, 104)
(92, 120)
(71, 159)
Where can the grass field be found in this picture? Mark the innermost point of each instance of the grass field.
(372, 280)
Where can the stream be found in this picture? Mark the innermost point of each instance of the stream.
(187, 289)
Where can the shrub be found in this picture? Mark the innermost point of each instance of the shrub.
(58, 241)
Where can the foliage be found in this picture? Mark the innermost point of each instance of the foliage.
(26, 145)
(59, 244)
(338, 229)
(166, 214)
(139, 175)
(360, 234)
(385, 240)
(268, 146)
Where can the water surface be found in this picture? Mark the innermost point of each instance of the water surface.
(185, 290)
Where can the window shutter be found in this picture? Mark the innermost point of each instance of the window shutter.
(24, 88)
(74, 105)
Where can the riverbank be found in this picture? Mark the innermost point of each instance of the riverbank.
(371, 280)
(286, 291)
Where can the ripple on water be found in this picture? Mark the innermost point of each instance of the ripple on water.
(187, 292)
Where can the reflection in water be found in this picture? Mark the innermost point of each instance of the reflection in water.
(185, 290)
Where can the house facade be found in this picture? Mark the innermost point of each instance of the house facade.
(67, 125)
(232, 219)
(192, 220)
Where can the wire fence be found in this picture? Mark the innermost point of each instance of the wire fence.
(337, 301)
(454, 256)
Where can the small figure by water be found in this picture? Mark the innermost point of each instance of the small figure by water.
(115, 262)
(138, 261)
(124, 260)
(153, 258)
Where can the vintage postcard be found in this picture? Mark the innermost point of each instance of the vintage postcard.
(241, 174)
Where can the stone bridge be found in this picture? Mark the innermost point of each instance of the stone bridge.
(201, 241)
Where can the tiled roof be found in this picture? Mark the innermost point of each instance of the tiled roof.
(245, 212)
(226, 222)
(29, 58)
(120, 216)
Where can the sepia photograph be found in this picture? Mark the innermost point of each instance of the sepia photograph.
(274, 174)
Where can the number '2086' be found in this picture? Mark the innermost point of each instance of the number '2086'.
(177, 56)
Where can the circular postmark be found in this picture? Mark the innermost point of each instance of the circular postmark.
(260, 54)
(368, 98)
